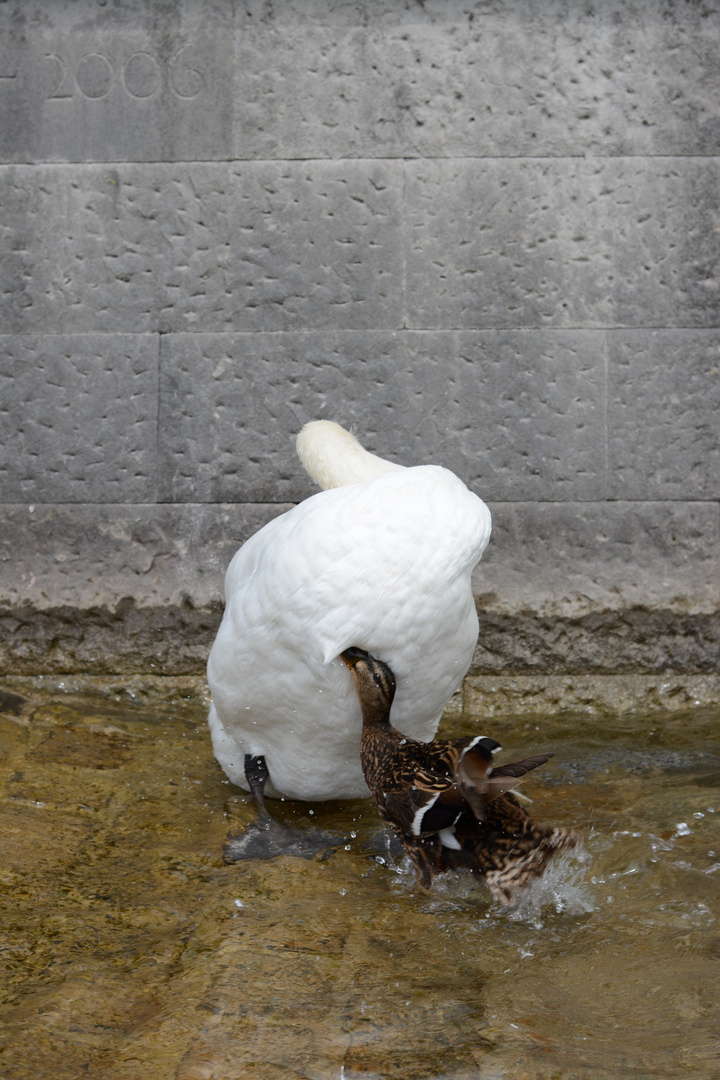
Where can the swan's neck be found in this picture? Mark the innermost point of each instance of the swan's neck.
(333, 457)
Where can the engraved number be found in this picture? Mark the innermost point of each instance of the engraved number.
(141, 75)
(186, 81)
(58, 90)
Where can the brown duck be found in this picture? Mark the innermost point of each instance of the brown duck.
(446, 802)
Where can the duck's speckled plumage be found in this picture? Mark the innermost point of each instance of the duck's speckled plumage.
(449, 807)
(384, 563)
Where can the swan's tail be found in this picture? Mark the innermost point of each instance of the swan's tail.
(333, 457)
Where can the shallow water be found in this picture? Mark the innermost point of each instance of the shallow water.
(131, 950)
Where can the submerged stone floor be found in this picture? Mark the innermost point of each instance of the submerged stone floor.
(130, 950)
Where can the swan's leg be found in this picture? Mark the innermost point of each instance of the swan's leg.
(267, 838)
(256, 773)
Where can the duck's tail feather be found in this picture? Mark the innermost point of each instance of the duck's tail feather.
(517, 871)
(508, 848)
(333, 457)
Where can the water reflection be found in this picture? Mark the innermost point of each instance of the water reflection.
(131, 950)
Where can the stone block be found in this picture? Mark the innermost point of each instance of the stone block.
(664, 414)
(517, 415)
(503, 78)
(79, 418)
(91, 556)
(597, 243)
(232, 404)
(510, 425)
(570, 559)
(198, 247)
(81, 248)
(298, 245)
(135, 81)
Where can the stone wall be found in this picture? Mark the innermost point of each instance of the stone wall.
(482, 233)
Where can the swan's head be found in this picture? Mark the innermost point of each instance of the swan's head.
(374, 683)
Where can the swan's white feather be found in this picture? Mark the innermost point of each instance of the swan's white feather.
(333, 457)
(384, 565)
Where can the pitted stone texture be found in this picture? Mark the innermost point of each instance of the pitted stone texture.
(82, 247)
(135, 81)
(533, 242)
(664, 414)
(515, 415)
(168, 247)
(231, 406)
(310, 245)
(570, 560)
(501, 78)
(79, 417)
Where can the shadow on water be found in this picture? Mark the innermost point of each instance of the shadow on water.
(131, 950)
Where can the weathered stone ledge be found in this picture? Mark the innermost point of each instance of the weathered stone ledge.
(480, 696)
(592, 694)
(629, 641)
(129, 638)
(564, 589)
(175, 639)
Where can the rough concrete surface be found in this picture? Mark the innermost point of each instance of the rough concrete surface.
(482, 234)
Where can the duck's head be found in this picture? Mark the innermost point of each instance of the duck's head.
(374, 683)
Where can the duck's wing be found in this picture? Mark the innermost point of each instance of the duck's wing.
(422, 794)
(506, 777)
(472, 770)
(429, 803)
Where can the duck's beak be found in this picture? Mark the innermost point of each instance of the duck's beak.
(352, 655)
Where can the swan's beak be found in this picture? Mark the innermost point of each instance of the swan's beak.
(352, 655)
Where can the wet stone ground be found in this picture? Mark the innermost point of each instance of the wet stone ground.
(130, 950)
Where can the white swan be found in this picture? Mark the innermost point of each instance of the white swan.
(381, 562)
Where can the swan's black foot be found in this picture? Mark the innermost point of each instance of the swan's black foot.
(267, 838)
